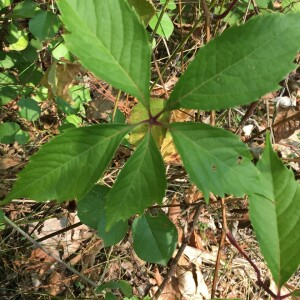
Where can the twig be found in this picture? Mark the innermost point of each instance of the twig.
(160, 76)
(207, 19)
(46, 237)
(295, 116)
(181, 33)
(179, 253)
(221, 244)
(159, 19)
(207, 39)
(256, 10)
(38, 245)
(247, 115)
(225, 13)
(259, 281)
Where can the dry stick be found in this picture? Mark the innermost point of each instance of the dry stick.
(256, 9)
(46, 237)
(178, 255)
(38, 245)
(178, 48)
(160, 76)
(259, 281)
(207, 29)
(181, 33)
(221, 244)
(159, 19)
(295, 116)
(247, 115)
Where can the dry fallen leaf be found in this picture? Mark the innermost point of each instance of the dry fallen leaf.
(286, 129)
(68, 242)
(8, 161)
(174, 215)
(54, 280)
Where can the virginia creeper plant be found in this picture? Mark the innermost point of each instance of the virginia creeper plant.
(236, 68)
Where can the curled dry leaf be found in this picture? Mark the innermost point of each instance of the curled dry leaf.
(196, 241)
(286, 129)
(174, 215)
(170, 292)
(169, 152)
(192, 194)
(54, 283)
(39, 261)
(8, 161)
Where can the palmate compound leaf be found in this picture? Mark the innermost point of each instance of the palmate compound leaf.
(241, 65)
(110, 41)
(274, 215)
(216, 160)
(154, 238)
(141, 182)
(69, 165)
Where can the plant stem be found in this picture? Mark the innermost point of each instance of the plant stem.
(159, 20)
(259, 281)
(221, 244)
(179, 253)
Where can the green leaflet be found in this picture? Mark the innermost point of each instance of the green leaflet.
(1, 216)
(154, 238)
(165, 28)
(144, 8)
(69, 165)
(216, 160)
(8, 131)
(30, 110)
(91, 212)
(123, 285)
(111, 42)
(275, 216)
(141, 183)
(44, 25)
(241, 65)
(24, 9)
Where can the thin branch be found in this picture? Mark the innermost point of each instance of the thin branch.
(159, 75)
(159, 19)
(38, 245)
(46, 237)
(221, 244)
(295, 116)
(259, 281)
(179, 253)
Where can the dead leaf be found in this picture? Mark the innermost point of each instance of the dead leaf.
(196, 241)
(174, 215)
(8, 161)
(182, 115)
(64, 244)
(192, 194)
(58, 79)
(186, 282)
(90, 257)
(39, 261)
(286, 129)
(54, 280)
(169, 152)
